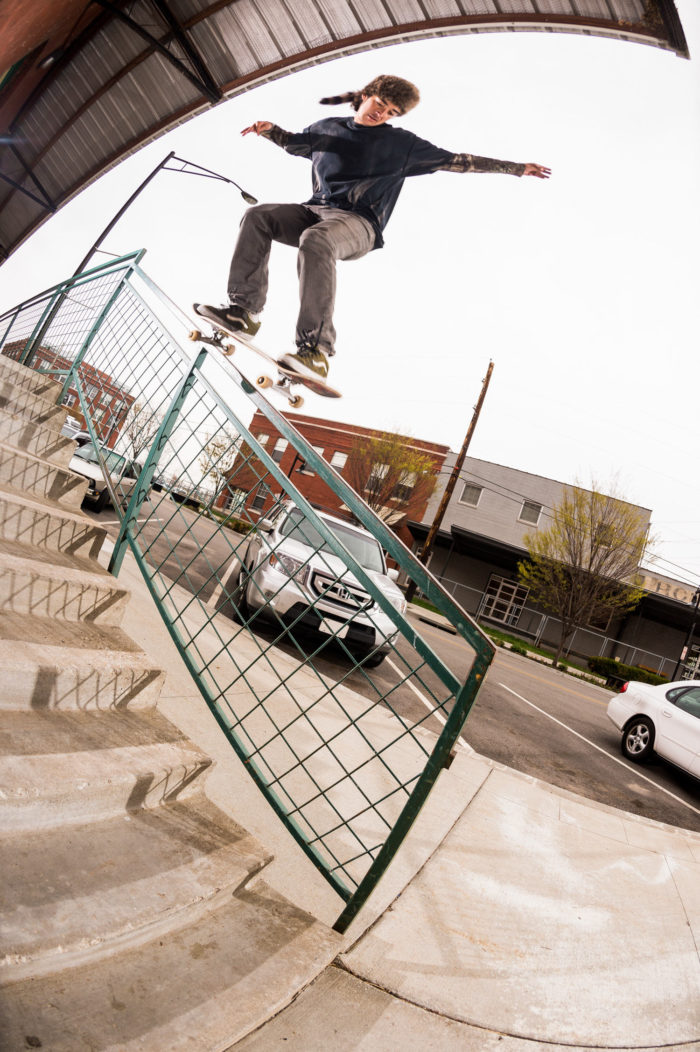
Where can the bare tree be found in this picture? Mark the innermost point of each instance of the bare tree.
(139, 428)
(391, 475)
(219, 454)
(584, 568)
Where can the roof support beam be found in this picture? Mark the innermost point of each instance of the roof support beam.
(188, 47)
(205, 85)
(45, 201)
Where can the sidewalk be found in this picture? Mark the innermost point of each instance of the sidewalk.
(515, 914)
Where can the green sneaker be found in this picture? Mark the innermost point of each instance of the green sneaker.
(308, 361)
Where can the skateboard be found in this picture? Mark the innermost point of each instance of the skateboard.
(228, 342)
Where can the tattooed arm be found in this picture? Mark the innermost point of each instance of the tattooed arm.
(469, 162)
(297, 143)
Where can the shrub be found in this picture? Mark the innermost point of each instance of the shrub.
(616, 672)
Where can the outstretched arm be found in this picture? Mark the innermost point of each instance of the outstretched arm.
(537, 170)
(289, 141)
(469, 162)
(260, 127)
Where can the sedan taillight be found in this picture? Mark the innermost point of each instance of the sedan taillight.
(623, 688)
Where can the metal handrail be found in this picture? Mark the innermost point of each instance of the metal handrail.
(346, 780)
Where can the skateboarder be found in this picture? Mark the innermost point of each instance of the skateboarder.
(359, 164)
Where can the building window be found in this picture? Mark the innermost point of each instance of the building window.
(258, 502)
(471, 495)
(404, 490)
(278, 452)
(339, 460)
(376, 478)
(69, 401)
(601, 622)
(304, 467)
(235, 500)
(503, 600)
(262, 438)
(530, 512)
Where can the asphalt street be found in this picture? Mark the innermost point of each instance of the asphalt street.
(527, 715)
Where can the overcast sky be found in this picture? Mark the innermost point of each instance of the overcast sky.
(583, 289)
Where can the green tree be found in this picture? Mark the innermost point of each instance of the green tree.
(584, 568)
(391, 474)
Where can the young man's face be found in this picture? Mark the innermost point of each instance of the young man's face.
(374, 111)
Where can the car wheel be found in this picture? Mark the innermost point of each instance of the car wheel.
(373, 659)
(638, 739)
(240, 597)
(103, 501)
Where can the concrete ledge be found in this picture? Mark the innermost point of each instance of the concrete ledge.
(77, 893)
(28, 379)
(26, 473)
(46, 442)
(30, 520)
(42, 791)
(206, 988)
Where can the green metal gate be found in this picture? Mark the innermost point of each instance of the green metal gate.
(266, 596)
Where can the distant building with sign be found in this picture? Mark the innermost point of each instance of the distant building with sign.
(481, 541)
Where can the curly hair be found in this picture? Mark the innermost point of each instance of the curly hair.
(400, 93)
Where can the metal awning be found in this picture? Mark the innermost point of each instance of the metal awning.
(82, 85)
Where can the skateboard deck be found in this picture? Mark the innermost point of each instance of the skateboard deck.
(228, 341)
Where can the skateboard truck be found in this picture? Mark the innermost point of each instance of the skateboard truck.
(283, 385)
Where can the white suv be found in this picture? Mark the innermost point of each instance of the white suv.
(288, 570)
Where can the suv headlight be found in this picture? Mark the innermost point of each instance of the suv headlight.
(290, 567)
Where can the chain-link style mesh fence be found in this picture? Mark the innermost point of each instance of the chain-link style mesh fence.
(288, 615)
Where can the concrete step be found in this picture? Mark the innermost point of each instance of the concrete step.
(49, 664)
(25, 473)
(38, 439)
(79, 892)
(31, 406)
(48, 526)
(205, 988)
(28, 379)
(58, 585)
(75, 767)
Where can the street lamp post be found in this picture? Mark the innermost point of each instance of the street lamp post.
(189, 168)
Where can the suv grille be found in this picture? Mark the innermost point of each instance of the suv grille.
(344, 594)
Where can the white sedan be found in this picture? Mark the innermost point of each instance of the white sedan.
(662, 719)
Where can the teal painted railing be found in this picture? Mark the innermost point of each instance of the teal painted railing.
(304, 655)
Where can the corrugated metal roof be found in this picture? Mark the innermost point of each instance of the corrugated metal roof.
(127, 72)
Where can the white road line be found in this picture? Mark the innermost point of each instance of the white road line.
(117, 522)
(428, 704)
(627, 767)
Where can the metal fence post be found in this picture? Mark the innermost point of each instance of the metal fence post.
(41, 327)
(145, 478)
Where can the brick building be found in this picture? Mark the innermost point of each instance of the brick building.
(334, 441)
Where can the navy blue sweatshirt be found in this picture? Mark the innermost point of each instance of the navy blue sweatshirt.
(362, 169)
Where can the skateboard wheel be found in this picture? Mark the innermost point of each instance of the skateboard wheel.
(194, 334)
(228, 347)
(296, 402)
(264, 381)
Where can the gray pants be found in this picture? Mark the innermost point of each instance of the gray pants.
(322, 235)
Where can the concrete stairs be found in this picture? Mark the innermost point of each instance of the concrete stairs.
(133, 912)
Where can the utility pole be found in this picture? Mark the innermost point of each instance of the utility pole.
(451, 482)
